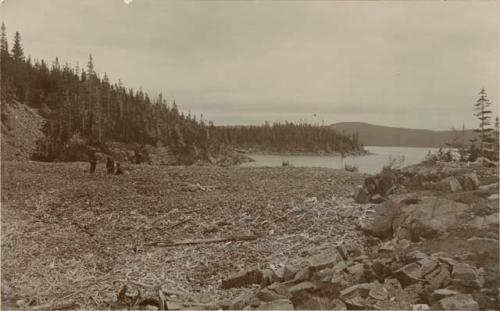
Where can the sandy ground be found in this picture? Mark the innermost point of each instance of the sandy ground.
(67, 234)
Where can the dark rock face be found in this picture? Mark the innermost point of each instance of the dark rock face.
(469, 181)
(409, 274)
(361, 196)
(427, 218)
(243, 278)
(280, 304)
(448, 184)
(381, 224)
(456, 302)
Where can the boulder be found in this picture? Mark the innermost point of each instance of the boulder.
(449, 184)
(337, 304)
(469, 181)
(279, 272)
(268, 277)
(489, 187)
(393, 287)
(428, 218)
(356, 272)
(409, 274)
(457, 302)
(377, 199)
(342, 251)
(486, 222)
(378, 291)
(353, 296)
(437, 279)
(350, 292)
(303, 274)
(302, 287)
(485, 247)
(355, 303)
(309, 302)
(380, 224)
(341, 265)
(323, 260)
(242, 300)
(324, 275)
(465, 275)
(281, 288)
(441, 293)
(361, 196)
(280, 304)
(289, 272)
(428, 265)
(380, 269)
(463, 271)
(493, 196)
(420, 307)
(267, 295)
(481, 161)
(338, 280)
(243, 278)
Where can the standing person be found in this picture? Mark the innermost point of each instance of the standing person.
(92, 161)
(137, 157)
(119, 170)
(110, 165)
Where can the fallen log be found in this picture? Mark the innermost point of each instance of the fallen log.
(179, 223)
(62, 305)
(203, 241)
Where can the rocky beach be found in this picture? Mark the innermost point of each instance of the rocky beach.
(206, 237)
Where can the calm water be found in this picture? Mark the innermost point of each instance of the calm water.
(370, 164)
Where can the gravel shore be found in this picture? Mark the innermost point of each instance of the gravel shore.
(67, 233)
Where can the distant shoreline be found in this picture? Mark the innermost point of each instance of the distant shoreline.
(289, 153)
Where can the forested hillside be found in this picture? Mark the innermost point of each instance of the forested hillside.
(288, 137)
(83, 108)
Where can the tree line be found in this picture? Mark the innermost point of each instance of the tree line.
(288, 137)
(84, 107)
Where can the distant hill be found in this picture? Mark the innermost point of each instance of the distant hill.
(377, 135)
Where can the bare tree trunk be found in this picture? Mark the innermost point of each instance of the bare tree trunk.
(98, 102)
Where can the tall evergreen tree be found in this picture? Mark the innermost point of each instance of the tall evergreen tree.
(5, 80)
(4, 45)
(17, 49)
(496, 139)
(90, 98)
(483, 113)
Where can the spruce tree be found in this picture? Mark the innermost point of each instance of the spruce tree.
(4, 45)
(495, 140)
(17, 49)
(4, 63)
(483, 113)
(90, 90)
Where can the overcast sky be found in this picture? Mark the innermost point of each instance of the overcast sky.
(409, 64)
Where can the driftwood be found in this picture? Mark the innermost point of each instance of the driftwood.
(161, 301)
(83, 229)
(204, 241)
(179, 223)
(67, 304)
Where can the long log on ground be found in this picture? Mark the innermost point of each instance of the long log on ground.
(204, 241)
(56, 306)
(179, 223)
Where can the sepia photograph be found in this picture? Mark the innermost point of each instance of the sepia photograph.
(249, 155)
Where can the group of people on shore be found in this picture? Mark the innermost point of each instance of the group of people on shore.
(112, 167)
